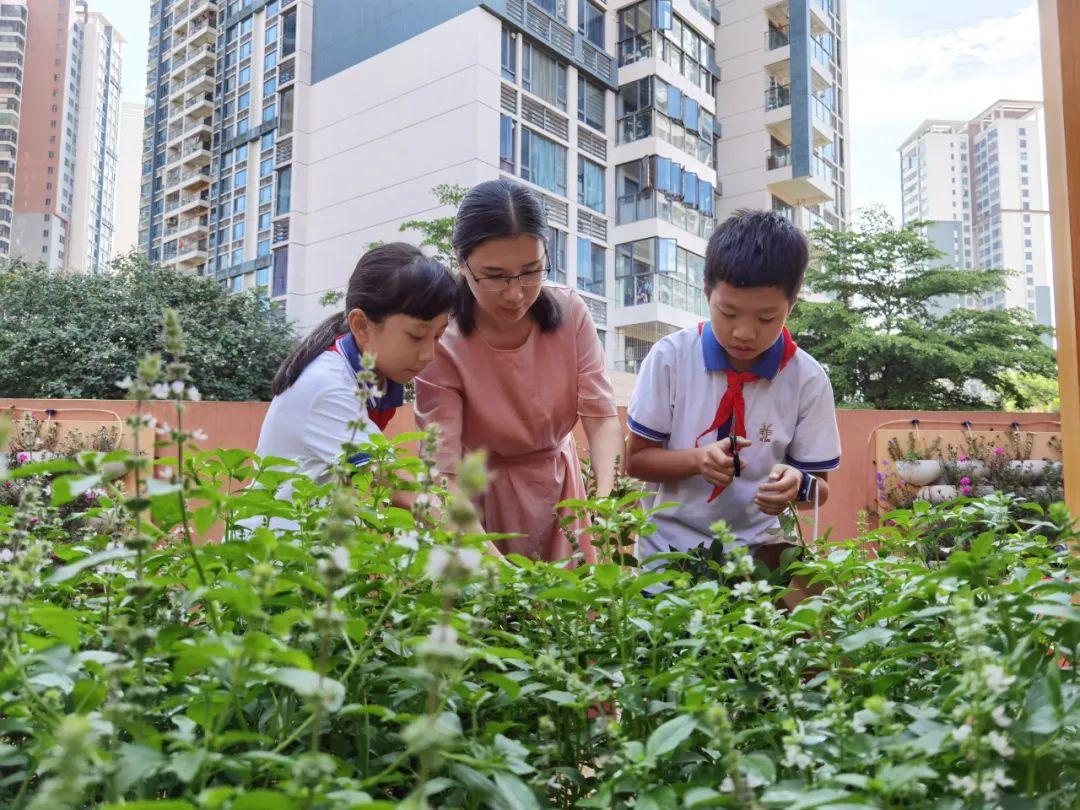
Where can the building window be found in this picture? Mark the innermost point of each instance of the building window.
(591, 185)
(591, 22)
(509, 54)
(285, 125)
(543, 162)
(284, 191)
(543, 76)
(591, 104)
(556, 8)
(288, 32)
(590, 267)
(281, 271)
(507, 144)
(556, 251)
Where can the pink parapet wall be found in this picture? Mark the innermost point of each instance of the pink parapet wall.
(237, 424)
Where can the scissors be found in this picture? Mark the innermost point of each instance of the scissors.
(733, 440)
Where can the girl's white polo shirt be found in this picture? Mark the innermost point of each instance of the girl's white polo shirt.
(790, 418)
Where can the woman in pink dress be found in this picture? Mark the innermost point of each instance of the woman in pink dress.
(517, 367)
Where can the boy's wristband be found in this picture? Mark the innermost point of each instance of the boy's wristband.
(806, 488)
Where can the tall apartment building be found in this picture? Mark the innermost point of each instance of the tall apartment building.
(97, 142)
(68, 110)
(45, 167)
(979, 186)
(217, 148)
(605, 110)
(128, 178)
(784, 109)
(13, 17)
(283, 138)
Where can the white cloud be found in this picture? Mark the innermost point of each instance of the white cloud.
(944, 73)
(898, 81)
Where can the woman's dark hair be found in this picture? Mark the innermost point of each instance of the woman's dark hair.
(393, 279)
(495, 210)
(757, 249)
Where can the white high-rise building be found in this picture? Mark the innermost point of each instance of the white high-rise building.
(222, 85)
(93, 210)
(128, 178)
(283, 138)
(782, 107)
(979, 185)
(13, 17)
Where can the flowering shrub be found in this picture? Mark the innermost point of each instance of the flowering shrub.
(370, 657)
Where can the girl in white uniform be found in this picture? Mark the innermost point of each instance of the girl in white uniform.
(397, 306)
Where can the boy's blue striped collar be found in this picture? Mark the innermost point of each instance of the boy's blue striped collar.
(393, 395)
(716, 359)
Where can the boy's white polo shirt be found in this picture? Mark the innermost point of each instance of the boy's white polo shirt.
(790, 418)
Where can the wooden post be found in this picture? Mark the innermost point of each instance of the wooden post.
(1059, 20)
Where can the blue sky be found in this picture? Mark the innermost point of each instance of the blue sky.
(907, 62)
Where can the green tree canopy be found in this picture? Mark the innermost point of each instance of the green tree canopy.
(885, 338)
(74, 335)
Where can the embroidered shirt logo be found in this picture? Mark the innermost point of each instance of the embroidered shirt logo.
(765, 434)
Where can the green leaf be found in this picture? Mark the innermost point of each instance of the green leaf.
(308, 684)
(262, 800)
(670, 735)
(511, 688)
(561, 698)
(515, 793)
(69, 487)
(73, 569)
(137, 763)
(57, 621)
(151, 804)
(186, 765)
(871, 635)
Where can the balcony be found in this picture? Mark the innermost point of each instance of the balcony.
(535, 21)
(200, 79)
(794, 189)
(190, 201)
(190, 252)
(195, 179)
(663, 288)
(652, 205)
(778, 60)
(820, 20)
(201, 31)
(184, 12)
(778, 116)
(202, 56)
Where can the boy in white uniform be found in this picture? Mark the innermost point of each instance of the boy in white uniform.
(737, 374)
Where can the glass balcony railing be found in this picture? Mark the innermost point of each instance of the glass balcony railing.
(648, 204)
(663, 288)
(777, 96)
(776, 37)
(778, 158)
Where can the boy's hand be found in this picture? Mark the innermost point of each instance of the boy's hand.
(781, 489)
(717, 464)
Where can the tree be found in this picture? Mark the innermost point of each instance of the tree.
(885, 338)
(438, 232)
(75, 335)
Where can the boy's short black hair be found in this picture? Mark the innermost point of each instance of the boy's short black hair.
(757, 249)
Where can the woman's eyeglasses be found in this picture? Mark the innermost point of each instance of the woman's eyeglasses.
(494, 284)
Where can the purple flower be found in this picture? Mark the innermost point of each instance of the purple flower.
(22, 458)
(965, 481)
(999, 451)
(966, 490)
(963, 458)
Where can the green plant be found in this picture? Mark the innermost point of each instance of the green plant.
(888, 342)
(369, 657)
